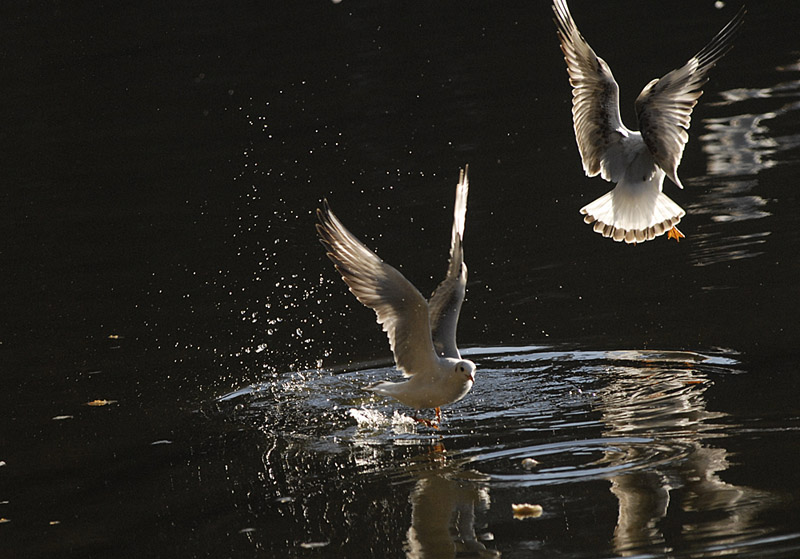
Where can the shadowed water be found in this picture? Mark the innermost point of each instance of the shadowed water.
(181, 368)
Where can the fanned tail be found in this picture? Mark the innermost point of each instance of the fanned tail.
(633, 215)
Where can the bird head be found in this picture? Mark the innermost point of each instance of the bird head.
(465, 369)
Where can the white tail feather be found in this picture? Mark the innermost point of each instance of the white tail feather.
(633, 213)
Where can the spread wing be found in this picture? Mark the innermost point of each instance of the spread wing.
(400, 307)
(445, 303)
(595, 100)
(664, 107)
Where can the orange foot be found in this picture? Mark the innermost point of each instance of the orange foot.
(428, 422)
(674, 233)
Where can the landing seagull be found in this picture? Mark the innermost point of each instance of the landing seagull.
(637, 161)
(422, 334)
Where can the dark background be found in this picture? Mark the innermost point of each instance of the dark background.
(161, 168)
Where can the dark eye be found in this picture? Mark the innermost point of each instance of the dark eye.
(461, 368)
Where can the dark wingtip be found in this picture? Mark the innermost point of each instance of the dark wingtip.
(324, 211)
(324, 225)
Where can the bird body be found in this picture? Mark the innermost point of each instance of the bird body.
(636, 210)
(439, 387)
(422, 333)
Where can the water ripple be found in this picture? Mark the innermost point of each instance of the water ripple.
(616, 410)
(739, 147)
(542, 424)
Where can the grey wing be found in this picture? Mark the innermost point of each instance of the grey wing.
(400, 307)
(595, 101)
(664, 107)
(445, 303)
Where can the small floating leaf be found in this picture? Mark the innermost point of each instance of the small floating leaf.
(529, 463)
(97, 403)
(526, 510)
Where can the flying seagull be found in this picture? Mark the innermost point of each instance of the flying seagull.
(637, 161)
(422, 334)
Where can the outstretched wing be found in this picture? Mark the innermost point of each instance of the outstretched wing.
(400, 307)
(595, 100)
(445, 303)
(664, 107)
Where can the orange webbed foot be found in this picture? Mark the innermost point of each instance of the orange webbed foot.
(675, 233)
(428, 422)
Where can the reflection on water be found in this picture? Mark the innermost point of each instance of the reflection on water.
(630, 424)
(744, 144)
(668, 404)
(443, 519)
(739, 147)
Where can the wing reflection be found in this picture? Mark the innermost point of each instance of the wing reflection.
(739, 147)
(443, 504)
(668, 405)
(744, 144)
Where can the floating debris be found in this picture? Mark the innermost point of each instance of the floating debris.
(529, 463)
(98, 403)
(62, 417)
(314, 545)
(526, 510)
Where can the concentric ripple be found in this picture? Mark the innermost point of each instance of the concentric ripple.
(626, 435)
(579, 414)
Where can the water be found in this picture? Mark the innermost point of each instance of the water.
(630, 459)
(182, 367)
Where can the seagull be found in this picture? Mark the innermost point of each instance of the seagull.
(637, 161)
(422, 334)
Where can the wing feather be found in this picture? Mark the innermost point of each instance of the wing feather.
(664, 107)
(595, 100)
(400, 307)
(445, 303)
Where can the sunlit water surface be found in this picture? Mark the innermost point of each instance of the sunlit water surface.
(619, 448)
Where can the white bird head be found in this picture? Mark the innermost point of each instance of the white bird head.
(465, 370)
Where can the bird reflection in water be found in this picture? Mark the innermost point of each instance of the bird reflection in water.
(748, 142)
(740, 145)
(443, 510)
(445, 496)
(668, 406)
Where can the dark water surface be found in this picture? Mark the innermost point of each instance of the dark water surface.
(182, 367)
